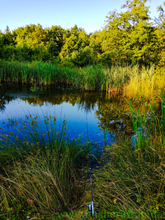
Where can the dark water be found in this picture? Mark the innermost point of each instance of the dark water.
(100, 116)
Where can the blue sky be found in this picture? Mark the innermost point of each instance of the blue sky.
(88, 14)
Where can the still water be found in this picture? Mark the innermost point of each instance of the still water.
(87, 114)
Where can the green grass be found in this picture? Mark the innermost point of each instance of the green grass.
(38, 174)
(133, 178)
(128, 81)
(87, 78)
(40, 179)
(147, 83)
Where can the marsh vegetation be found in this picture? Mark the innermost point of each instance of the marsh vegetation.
(121, 70)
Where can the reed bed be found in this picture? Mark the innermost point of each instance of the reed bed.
(42, 174)
(132, 181)
(87, 78)
(128, 81)
(147, 83)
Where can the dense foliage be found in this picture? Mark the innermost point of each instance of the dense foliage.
(128, 38)
(40, 179)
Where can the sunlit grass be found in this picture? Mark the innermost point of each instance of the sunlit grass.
(45, 176)
(133, 177)
(129, 81)
(147, 84)
(89, 78)
(41, 171)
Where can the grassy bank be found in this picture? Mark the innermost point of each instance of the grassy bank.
(133, 177)
(148, 83)
(128, 81)
(87, 78)
(41, 174)
(41, 179)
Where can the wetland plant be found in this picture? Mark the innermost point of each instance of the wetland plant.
(34, 88)
(42, 171)
(129, 81)
(133, 177)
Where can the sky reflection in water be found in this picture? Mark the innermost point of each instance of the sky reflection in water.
(78, 118)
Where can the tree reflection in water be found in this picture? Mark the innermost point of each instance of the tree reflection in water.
(112, 112)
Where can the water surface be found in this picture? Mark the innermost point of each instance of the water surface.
(87, 114)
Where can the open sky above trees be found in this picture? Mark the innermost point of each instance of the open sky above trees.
(129, 37)
(89, 15)
(49, 42)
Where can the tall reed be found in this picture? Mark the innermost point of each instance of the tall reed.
(41, 170)
(42, 173)
(87, 78)
(131, 82)
(133, 177)
(147, 83)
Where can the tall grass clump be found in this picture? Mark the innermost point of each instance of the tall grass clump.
(86, 78)
(146, 83)
(116, 77)
(128, 81)
(41, 173)
(132, 180)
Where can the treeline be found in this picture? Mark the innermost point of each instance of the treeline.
(128, 38)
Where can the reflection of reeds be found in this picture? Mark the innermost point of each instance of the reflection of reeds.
(133, 177)
(130, 81)
(44, 174)
(42, 171)
(87, 78)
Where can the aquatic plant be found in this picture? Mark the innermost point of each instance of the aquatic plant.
(133, 176)
(42, 169)
(149, 83)
(87, 78)
(129, 81)
(34, 88)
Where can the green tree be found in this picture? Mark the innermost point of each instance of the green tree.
(160, 33)
(96, 40)
(142, 36)
(54, 39)
(83, 57)
(7, 37)
(130, 36)
(31, 35)
(115, 35)
(1, 46)
(76, 40)
(160, 21)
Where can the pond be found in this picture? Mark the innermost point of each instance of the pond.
(96, 115)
